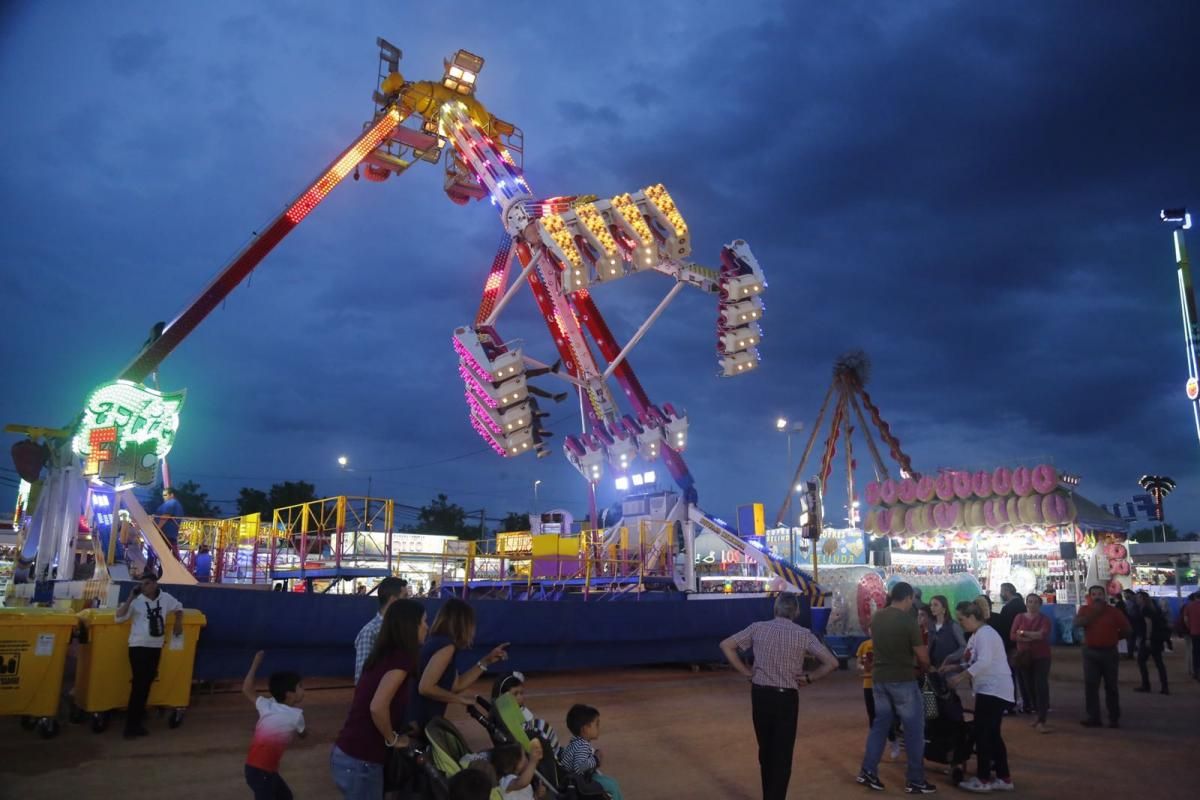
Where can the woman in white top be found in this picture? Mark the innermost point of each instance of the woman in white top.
(988, 671)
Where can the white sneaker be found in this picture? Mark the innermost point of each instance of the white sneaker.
(1001, 785)
(894, 754)
(975, 785)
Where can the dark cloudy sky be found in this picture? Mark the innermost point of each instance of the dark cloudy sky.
(967, 191)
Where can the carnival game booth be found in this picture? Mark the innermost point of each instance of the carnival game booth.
(1024, 525)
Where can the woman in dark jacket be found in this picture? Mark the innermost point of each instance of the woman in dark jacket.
(946, 640)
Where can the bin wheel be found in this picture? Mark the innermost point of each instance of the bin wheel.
(28, 723)
(176, 718)
(47, 727)
(77, 714)
(99, 722)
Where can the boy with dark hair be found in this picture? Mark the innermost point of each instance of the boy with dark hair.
(581, 756)
(279, 720)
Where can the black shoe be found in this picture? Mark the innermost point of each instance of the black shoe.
(1112, 723)
(1163, 690)
(924, 787)
(870, 780)
(1141, 688)
(1091, 723)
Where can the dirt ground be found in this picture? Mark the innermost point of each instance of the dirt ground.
(668, 732)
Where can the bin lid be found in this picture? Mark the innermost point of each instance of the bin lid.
(34, 616)
(108, 616)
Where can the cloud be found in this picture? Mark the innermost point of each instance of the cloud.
(136, 53)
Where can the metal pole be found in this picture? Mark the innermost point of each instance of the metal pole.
(812, 437)
(510, 293)
(637, 337)
(1191, 325)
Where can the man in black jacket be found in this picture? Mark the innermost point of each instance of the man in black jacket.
(1014, 606)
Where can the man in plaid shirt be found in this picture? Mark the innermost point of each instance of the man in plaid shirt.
(389, 589)
(779, 646)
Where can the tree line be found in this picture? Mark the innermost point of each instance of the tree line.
(439, 516)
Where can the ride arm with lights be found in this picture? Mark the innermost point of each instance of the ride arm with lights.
(244, 262)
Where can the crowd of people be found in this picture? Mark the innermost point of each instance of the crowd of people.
(407, 674)
(927, 662)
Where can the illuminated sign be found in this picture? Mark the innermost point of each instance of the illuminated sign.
(836, 546)
(125, 429)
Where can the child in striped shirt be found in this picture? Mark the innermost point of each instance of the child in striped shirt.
(581, 756)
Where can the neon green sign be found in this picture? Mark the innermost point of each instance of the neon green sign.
(126, 428)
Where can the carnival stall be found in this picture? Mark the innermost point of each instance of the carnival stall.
(1024, 525)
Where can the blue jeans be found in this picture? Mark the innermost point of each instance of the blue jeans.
(898, 700)
(356, 779)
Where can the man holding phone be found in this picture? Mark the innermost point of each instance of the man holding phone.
(147, 606)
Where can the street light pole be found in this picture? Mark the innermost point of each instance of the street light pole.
(536, 507)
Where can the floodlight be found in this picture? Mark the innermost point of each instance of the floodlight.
(343, 461)
(781, 424)
(1179, 216)
(649, 477)
(622, 484)
(637, 479)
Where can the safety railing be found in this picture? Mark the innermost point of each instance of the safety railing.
(314, 535)
(621, 560)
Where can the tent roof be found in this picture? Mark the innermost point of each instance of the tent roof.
(1092, 517)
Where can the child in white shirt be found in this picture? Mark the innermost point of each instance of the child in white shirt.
(279, 721)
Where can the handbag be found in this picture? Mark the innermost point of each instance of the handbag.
(929, 695)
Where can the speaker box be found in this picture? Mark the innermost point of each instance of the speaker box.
(1067, 551)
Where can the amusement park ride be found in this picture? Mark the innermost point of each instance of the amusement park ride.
(558, 246)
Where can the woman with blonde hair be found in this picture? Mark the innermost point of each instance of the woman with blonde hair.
(452, 631)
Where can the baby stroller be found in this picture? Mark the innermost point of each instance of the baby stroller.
(950, 737)
(446, 756)
(505, 723)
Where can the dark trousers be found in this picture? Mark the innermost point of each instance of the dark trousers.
(1101, 663)
(989, 745)
(774, 714)
(869, 699)
(1035, 682)
(1196, 657)
(143, 663)
(267, 785)
(1023, 701)
(1147, 651)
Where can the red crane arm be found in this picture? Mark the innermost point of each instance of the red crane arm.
(244, 262)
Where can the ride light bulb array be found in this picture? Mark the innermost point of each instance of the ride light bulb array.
(739, 308)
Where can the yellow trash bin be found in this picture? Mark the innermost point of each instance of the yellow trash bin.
(103, 676)
(33, 651)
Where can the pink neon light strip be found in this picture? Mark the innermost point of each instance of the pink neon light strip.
(468, 378)
(467, 356)
(484, 415)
